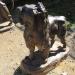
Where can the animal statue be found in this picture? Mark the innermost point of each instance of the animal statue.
(9, 3)
(34, 18)
(56, 27)
(4, 13)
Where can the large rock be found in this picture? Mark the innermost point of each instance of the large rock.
(36, 65)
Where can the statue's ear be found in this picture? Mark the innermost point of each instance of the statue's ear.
(41, 6)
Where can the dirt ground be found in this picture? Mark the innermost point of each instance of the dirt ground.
(13, 50)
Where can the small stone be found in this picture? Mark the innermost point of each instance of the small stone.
(64, 73)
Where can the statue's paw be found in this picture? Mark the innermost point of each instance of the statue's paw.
(64, 49)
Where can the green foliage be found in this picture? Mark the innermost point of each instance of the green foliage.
(70, 26)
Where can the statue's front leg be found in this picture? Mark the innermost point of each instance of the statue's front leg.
(52, 36)
(29, 43)
(46, 50)
(32, 48)
(45, 53)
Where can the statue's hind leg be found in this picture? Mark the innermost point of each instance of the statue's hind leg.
(52, 39)
(63, 41)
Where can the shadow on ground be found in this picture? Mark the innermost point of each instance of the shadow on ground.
(19, 72)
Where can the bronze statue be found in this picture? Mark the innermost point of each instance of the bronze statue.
(56, 27)
(34, 18)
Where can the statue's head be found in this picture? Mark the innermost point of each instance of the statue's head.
(35, 16)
